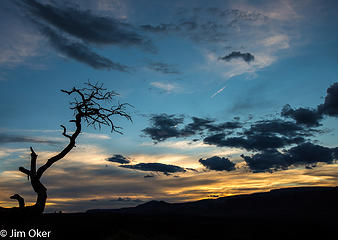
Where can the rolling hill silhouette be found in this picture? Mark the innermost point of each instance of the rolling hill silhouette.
(289, 213)
(298, 202)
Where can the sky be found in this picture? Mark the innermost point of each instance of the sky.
(227, 97)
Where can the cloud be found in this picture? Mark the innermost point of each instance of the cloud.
(118, 159)
(71, 31)
(125, 199)
(262, 135)
(280, 41)
(335, 153)
(265, 135)
(161, 28)
(155, 167)
(200, 124)
(252, 142)
(149, 176)
(218, 163)
(330, 105)
(163, 68)
(4, 138)
(167, 126)
(79, 51)
(71, 185)
(247, 57)
(168, 87)
(312, 117)
(307, 154)
(95, 136)
(85, 25)
(205, 25)
(180, 145)
(306, 116)
(20, 41)
(277, 126)
(269, 160)
(236, 67)
(163, 127)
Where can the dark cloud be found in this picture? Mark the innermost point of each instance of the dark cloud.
(149, 176)
(307, 154)
(118, 159)
(247, 57)
(223, 126)
(17, 139)
(269, 160)
(161, 28)
(205, 25)
(264, 135)
(335, 153)
(312, 117)
(163, 127)
(125, 199)
(79, 51)
(330, 106)
(166, 126)
(85, 25)
(197, 125)
(163, 68)
(218, 164)
(70, 31)
(257, 142)
(155, 167)
(191, 169)
(306, 116)
(276, 126)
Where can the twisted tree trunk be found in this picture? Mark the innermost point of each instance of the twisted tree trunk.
(35, 176)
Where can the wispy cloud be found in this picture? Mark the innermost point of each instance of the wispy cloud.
(95, 136)
(71, 31)
(79, 51)
(179, 145)
(20, 41)
(280, 41)
(167, 87)
(163, 68)
(236, 67)
(5, 138)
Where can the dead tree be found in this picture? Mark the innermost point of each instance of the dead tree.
(89, 107)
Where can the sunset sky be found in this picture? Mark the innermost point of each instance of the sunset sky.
(228, 97)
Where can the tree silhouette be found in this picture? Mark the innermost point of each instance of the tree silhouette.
(89, 107)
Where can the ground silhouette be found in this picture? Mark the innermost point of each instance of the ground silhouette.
(291, 213)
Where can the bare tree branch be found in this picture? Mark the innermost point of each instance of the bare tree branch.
(64, 132)
(20, 199)
(33, 163)
(25, 171)
(88, 105)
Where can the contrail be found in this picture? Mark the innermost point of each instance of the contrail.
(213, 95)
